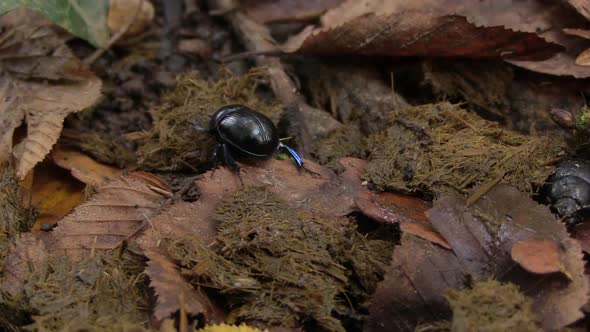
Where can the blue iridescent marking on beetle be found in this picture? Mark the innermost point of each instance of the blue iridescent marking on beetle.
(293, 154)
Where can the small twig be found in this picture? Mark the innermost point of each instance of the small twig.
(482, 191)
(257, 39)
(247, 55)
(94, 56)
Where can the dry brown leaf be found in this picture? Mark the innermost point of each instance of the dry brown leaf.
(523, 30)
(431, 28)
(44, 82)
(312, 188)
(119, 211)
(537, 256)
(408, 211)
(582, 33)
(83, 167)
(26, 254)
(582, 6)
(54, 193)
(583, 59)
(268, 11)
(120, 11)
(174, 292)
(482, 237)
(45, 107)
(411, 291)
(420, 34)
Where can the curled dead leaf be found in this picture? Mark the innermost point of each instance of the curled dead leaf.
(456, 28)
(408, 211)
(583, 58)
(45, 82)
(120, 11)
(83, 167)
(488, 28)
(54, 193)
(582, 6)
(405, 34)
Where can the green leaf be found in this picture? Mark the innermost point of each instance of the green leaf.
(86, 19)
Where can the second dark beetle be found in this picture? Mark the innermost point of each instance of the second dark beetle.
(243, 133)
(569, 190)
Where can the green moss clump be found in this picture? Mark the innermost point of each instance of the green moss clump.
(284, 266)
(173, 143)
(491, 306)
(106, 292)
(442, 148)
(346, 141)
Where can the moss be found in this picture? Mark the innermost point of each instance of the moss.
(173, 143)
(491, 306)
(229, 328)
(442, 148)
(438, 326)
(14, 218)
(346, 141)
(104, 148)
(581, 139)
(106, 292)
(284, 266)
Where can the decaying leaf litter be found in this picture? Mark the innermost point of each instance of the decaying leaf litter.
(437, 226)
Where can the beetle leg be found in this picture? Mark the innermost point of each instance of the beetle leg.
(228, 158)
(231, 162)
(216, 155)
(293, 154)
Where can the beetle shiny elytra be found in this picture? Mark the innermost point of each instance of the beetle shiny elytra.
(243, 133)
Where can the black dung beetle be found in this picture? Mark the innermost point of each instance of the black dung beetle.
(568, 190)
(243, 133)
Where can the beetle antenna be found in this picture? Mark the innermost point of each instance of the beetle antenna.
(293, 154)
